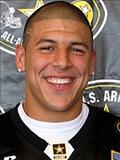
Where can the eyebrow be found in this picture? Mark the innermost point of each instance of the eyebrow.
(80, 44)
(45, 40)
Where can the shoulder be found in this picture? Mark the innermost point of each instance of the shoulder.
(6, 126)
(106, 117)
(4, 119)
(108, 122)
(7, 130)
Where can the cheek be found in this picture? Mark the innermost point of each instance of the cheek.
(41, 63)
(36, 63)
(82, 65)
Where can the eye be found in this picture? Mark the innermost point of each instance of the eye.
(46, 49)
(78, 50)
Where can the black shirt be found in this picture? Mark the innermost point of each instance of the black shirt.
(98, 139)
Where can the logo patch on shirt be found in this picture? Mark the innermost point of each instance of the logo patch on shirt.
(59, 151)
(115, 155)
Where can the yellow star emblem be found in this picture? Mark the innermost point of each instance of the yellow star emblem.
(86, 8)
(29, 11)
(59, 148)
(106, 109)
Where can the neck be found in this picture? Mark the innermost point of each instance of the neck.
(40, 113)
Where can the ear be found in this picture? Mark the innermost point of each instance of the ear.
(20, 57)
(93, 63)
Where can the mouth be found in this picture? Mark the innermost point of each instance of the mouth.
(60, 83)
(56, 80)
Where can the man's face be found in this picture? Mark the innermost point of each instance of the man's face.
(58, 64)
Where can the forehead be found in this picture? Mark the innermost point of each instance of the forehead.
(49, 25)
(60, 30)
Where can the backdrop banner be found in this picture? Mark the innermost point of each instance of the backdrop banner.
(103, 89)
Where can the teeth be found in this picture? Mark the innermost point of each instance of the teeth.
(59, 80)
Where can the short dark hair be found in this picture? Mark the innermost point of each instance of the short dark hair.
(56, 9)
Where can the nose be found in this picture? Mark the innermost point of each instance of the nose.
(62, 59)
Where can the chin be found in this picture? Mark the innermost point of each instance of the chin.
(59, 107)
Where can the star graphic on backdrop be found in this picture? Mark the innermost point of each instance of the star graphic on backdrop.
(29, 11)
(85, 9)
(106, 109)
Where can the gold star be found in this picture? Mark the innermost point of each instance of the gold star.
(59, 149)
(29, 11)
(106, 109)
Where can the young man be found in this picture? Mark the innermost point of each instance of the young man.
(52, 122)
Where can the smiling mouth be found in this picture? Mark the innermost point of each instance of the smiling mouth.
(60, 84)
(59, 81)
